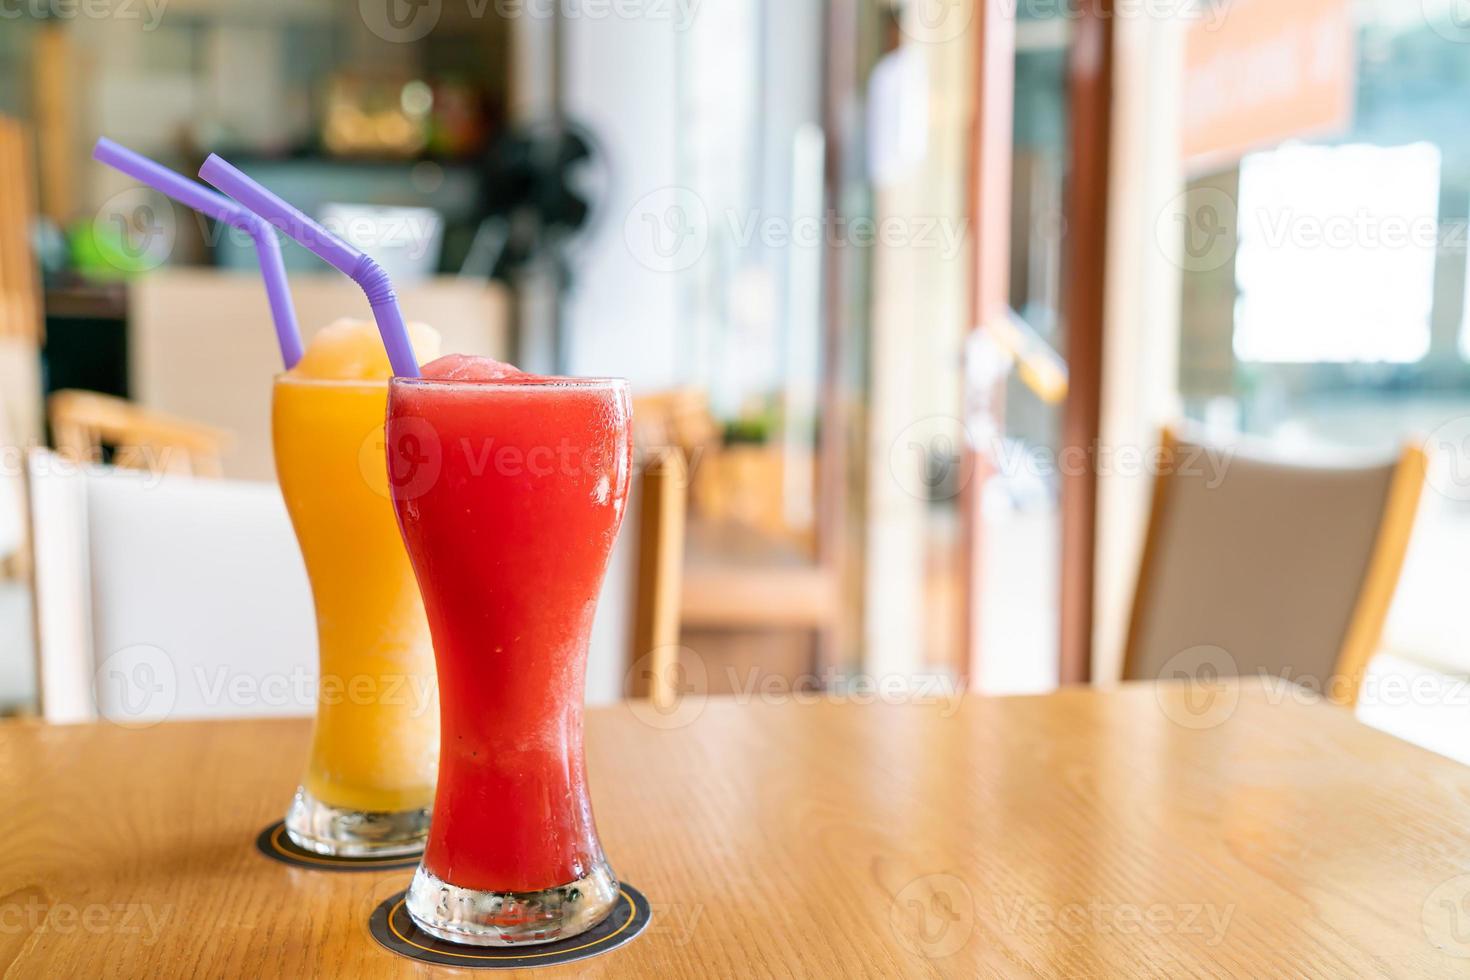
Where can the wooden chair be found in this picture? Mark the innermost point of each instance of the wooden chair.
(676, 418)
(717, 562)
(1288, 567)
(663, 426)
(83, 422)
(658, 588)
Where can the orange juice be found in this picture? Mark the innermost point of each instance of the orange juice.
(369, 785)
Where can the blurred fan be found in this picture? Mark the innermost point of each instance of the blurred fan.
(540, 192)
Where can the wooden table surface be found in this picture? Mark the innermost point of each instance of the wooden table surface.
(1132, 832)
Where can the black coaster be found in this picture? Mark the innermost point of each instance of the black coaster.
(277, 845)
(392, 928)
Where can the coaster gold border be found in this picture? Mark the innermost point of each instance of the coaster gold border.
(633, 910)
(273, 843)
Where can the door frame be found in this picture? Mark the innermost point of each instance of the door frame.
(1085, 218)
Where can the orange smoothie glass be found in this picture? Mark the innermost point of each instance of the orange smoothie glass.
(369, 783)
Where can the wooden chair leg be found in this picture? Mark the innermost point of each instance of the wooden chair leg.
(662, 510)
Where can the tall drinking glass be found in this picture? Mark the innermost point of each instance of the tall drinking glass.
(369, 784)
(509, 496)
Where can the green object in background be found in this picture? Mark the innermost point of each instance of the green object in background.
(757, 425)
(106, 254)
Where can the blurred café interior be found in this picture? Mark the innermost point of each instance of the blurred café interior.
(921, 294)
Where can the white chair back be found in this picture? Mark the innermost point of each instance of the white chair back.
(12, 506)
(607, 655)
(166, 597)
(218, 374)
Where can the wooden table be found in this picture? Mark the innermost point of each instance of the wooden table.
(1082, 834)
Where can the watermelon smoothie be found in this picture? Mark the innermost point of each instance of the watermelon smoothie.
(509, 489)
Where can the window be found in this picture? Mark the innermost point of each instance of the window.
(1337, 254)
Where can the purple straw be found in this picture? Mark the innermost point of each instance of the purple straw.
(220, 208)
(361, 268)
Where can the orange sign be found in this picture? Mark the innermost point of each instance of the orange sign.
(1261, 71)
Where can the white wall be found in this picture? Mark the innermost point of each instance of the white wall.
(619, 80)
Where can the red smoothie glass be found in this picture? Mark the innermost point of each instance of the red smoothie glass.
(509, 493)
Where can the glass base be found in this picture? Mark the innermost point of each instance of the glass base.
(474, 918)
(336, 832)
